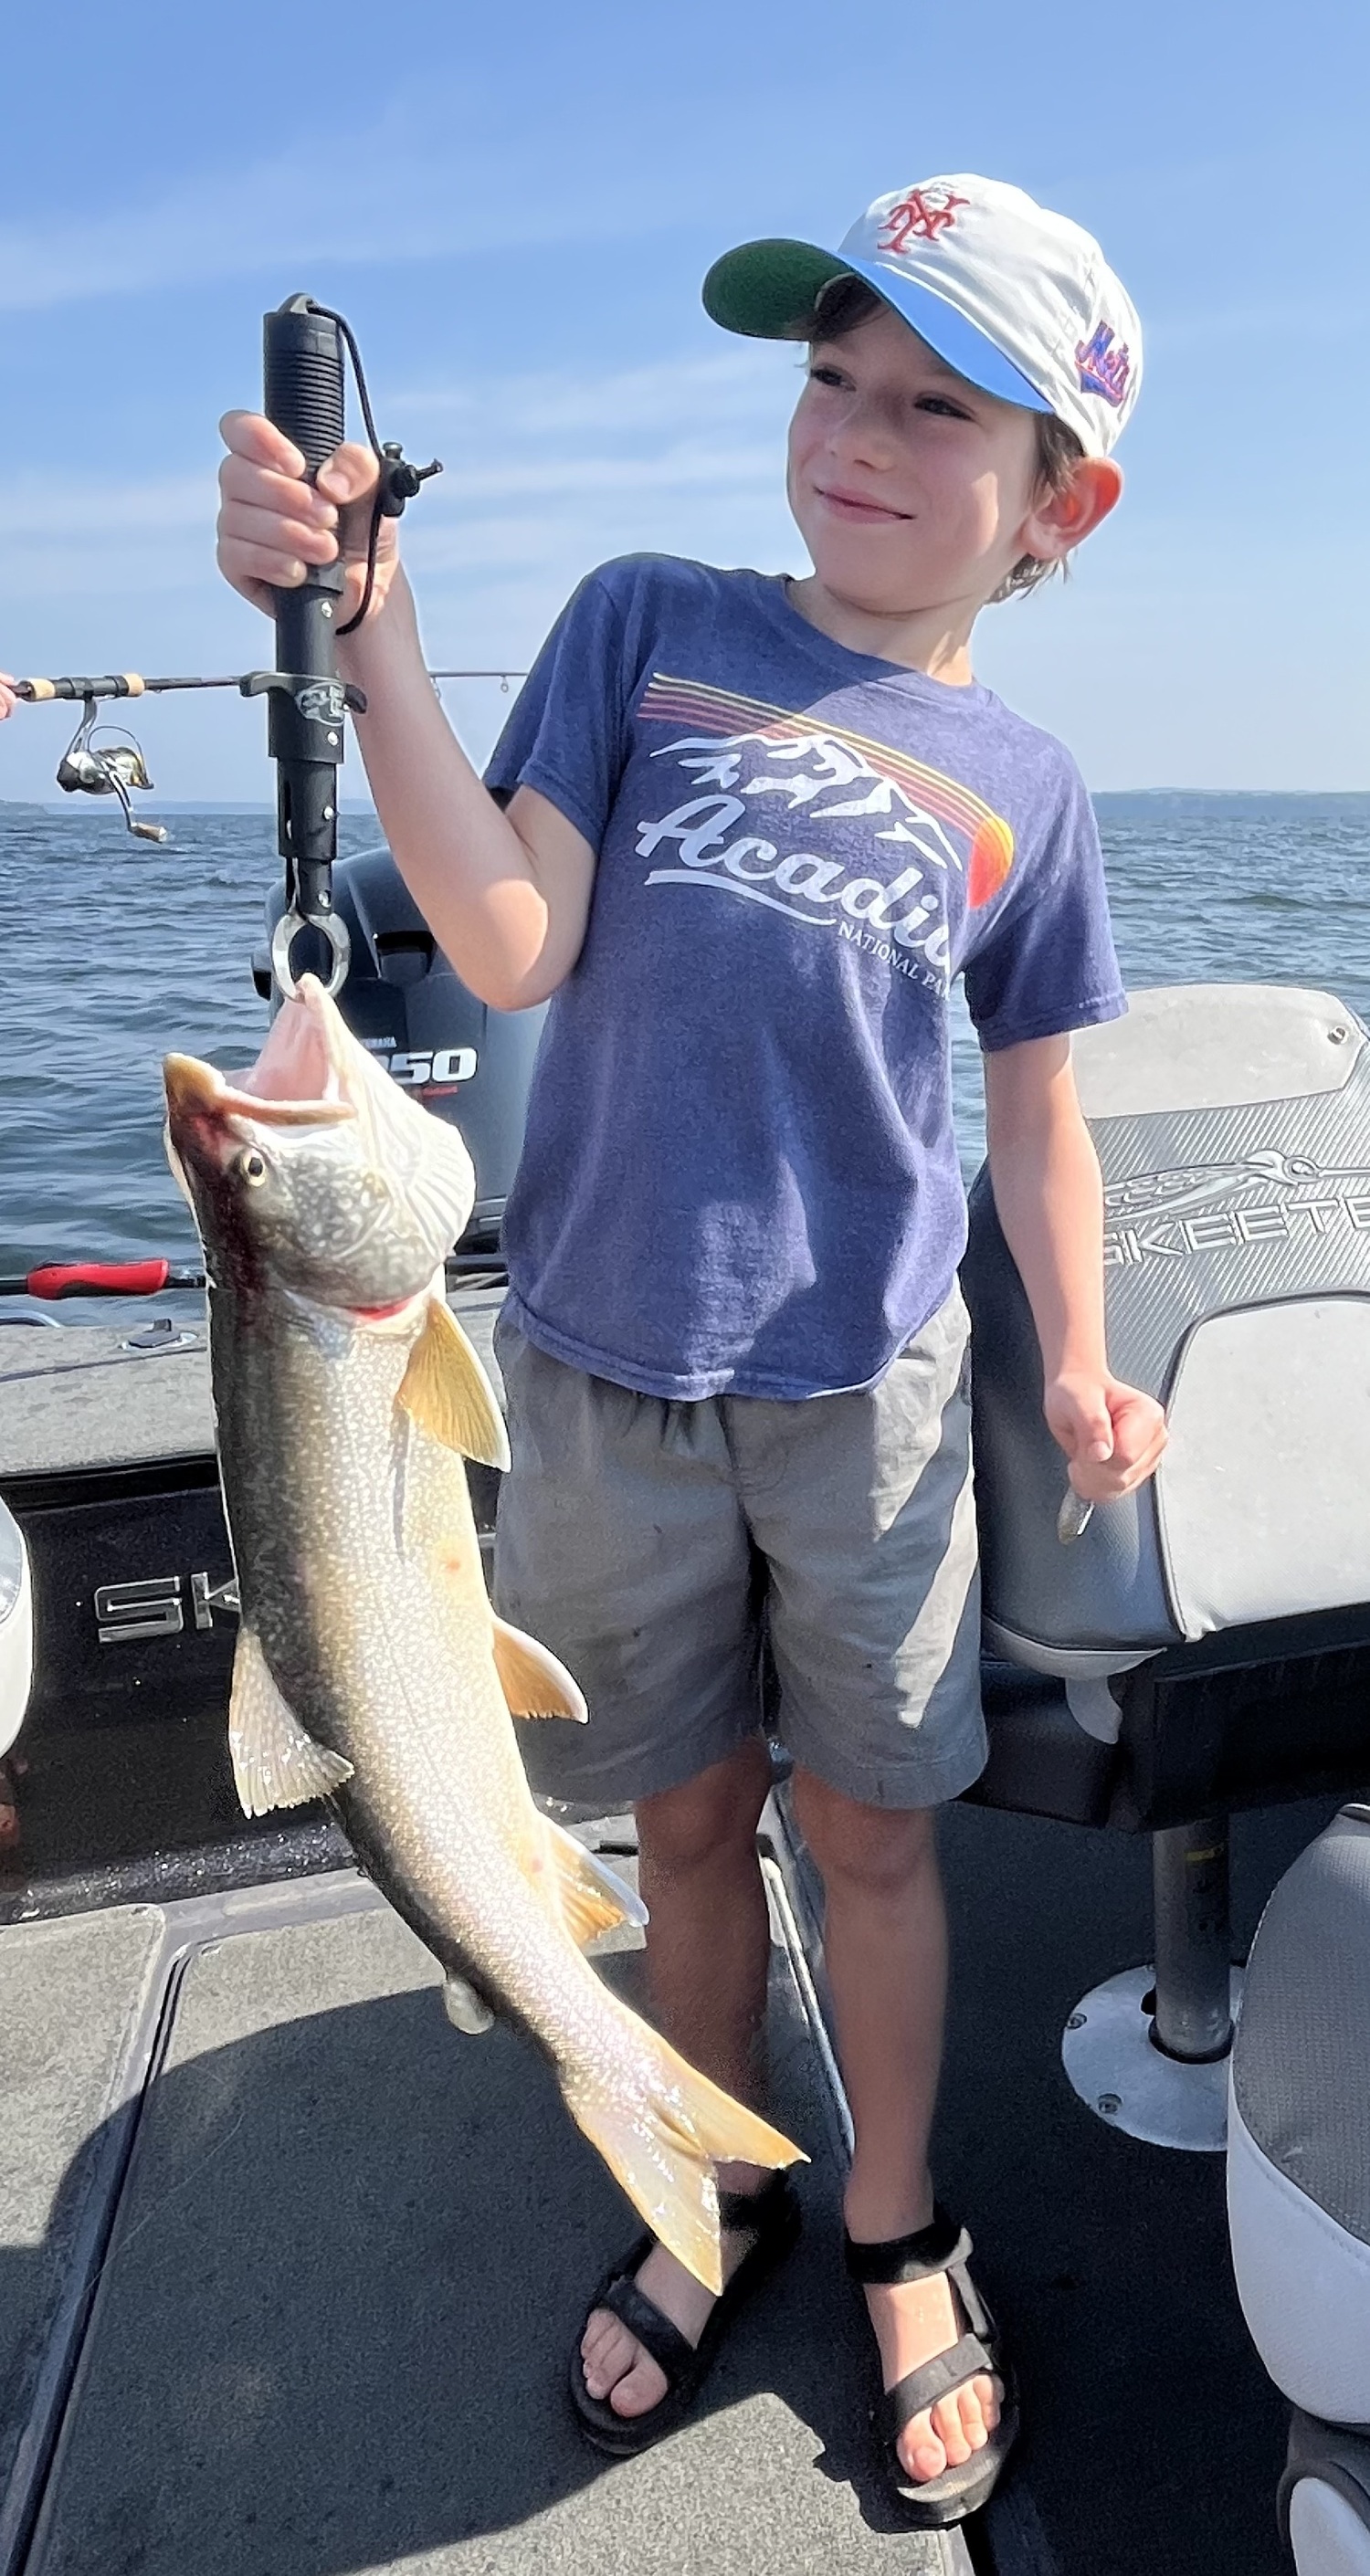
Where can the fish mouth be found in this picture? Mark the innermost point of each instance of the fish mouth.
(297, 1080)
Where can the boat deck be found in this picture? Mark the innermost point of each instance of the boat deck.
(289, 2270)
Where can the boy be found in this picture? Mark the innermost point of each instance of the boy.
(746, 831)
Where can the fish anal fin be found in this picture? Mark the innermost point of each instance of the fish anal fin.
(275, 1763)
(446, 1391)
(533, 1682)
(593, 1898)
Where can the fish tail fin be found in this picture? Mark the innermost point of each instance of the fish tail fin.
(663, 2152)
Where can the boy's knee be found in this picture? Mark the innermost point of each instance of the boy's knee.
(709, 1818)
(877, 1849)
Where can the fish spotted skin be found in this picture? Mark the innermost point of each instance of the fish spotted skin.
(369, 1662)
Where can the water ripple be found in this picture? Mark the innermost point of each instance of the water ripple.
(117, 951)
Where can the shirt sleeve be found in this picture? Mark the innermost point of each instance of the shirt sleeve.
(1046, 963)
(565, 735)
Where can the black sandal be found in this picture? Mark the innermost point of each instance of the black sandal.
(772, 2216)
(934, 2503)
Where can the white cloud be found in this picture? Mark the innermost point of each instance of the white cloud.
(411, 192)
(552, 469)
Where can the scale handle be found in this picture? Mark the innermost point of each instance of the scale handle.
(303, 395)
(303, 372)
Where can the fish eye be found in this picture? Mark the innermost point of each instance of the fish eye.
(252, 1166)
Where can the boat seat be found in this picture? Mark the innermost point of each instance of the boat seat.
(1204, 1644)
(1298, 2183)
(16, 1629)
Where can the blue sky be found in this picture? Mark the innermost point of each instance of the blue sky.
(515, 208)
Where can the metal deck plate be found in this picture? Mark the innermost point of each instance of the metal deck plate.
(352, 2255)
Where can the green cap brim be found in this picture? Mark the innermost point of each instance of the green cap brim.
(768, 289)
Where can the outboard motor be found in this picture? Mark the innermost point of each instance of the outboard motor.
(402, 999)
(1203, 1644)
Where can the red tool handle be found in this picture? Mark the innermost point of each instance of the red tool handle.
(99, 1278)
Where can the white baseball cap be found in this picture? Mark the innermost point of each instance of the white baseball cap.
(1019, 301)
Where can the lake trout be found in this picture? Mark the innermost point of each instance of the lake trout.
(370, 1668)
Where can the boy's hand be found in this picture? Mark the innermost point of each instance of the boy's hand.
(8, 700)
(273, 524)
(1112, 1434)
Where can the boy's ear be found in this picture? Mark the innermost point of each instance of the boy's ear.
(1059, 521)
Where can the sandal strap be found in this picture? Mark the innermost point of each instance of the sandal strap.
(756, 2211)
(669, 2348)
(910, 2258)
(921, 2388)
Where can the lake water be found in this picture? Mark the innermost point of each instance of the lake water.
(115, 951)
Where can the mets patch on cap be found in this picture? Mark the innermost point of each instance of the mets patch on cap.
(1020, 301)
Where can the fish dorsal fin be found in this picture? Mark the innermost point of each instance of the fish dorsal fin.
(275, 1764)
(533, 1682)
(448, 1394)
(593, 1898)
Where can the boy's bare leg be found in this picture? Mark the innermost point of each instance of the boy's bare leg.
(708, 1951)
(885, 1946)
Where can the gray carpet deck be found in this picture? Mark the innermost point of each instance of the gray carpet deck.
(352, 2255)
(71, 1998)
(1153, 2439)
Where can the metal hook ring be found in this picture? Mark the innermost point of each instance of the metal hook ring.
(283, 939)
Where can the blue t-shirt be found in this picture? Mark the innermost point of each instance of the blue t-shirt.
(739, 1171)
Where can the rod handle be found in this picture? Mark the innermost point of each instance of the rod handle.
(92, 1279)
(111, 684)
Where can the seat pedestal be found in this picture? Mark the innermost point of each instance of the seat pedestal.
(1147, 2051)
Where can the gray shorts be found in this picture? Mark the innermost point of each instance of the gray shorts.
(648, 1543)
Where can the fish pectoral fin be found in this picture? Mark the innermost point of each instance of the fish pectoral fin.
(593, 1898)
(446, 1391)
(533, 1682)
(465, 2009)
(275, 1764)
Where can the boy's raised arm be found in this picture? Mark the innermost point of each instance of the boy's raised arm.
(506, 893)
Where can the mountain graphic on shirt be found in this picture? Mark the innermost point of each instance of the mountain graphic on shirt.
(830, 771)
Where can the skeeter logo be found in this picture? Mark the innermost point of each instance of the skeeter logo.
(1180, 1215)
(124, 1612)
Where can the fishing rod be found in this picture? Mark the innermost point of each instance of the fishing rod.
(308, 705)
(89, 767)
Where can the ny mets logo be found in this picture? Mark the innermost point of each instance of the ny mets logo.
(1104, 369)
(920, 216)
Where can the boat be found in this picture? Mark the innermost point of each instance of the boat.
(290, 2271)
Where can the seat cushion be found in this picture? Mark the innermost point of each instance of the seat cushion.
(1325, 2499)
(1299, 2133)
(16, 1629)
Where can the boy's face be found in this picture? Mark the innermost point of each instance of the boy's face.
(911, 489)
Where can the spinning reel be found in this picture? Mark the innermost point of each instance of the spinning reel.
(107, 767)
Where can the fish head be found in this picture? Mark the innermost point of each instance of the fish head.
(313, 1171)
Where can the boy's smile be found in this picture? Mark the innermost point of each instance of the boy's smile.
(915, 494)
